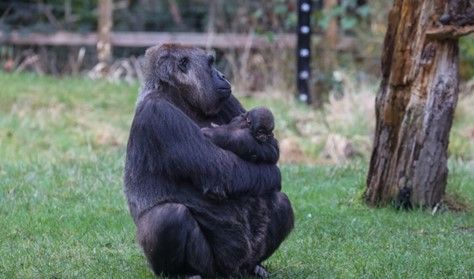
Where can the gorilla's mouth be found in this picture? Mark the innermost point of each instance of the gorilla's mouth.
(221, 95)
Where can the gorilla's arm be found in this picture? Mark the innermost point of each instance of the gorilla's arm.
(243, 144)
(248, 148)
(269, 152)
(176, 146)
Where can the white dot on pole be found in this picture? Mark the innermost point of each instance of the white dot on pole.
(304, 29)
(304, 52)
(303, 97)
(337, 75)
(305, 7)
(304, 74)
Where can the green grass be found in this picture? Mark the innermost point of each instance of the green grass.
(63, 214)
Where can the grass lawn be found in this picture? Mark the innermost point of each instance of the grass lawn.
(63, 214)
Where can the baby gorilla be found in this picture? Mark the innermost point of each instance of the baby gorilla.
(249, 136)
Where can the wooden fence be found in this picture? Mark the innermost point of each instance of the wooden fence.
(146, 39)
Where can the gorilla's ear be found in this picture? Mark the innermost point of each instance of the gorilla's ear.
(151, 51)
(165, 69)
(159, 66)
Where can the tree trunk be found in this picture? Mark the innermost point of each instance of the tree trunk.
(331, 37)
(104, 43)
(327, 60)
(416, 102)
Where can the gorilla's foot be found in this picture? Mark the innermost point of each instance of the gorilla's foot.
(260, 271)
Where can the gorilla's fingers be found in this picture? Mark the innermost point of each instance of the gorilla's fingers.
(215, 193)
(207, 132)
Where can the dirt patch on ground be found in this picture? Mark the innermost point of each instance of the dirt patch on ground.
(456, 203)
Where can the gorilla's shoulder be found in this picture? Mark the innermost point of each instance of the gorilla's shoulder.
(153, 100)
(157, 112)
(155, 105)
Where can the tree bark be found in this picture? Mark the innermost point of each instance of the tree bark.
(416, 102)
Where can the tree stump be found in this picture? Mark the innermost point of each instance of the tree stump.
(416, 102)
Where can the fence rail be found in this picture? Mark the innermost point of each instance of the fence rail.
(146, 39)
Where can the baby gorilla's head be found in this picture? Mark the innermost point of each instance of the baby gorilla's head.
(258, 123)
(261, 123)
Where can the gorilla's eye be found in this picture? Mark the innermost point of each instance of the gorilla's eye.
(211, 60)
(183, 64)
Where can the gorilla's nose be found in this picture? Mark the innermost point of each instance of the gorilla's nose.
(222, 85)
(222, 77)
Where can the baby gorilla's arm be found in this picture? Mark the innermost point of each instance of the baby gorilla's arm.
(246, 146)
(242, 143)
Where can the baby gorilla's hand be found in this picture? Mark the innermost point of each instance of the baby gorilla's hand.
(207, 132)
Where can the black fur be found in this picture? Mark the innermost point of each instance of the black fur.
(199, 209)
(261, 123)
(403, 200)
(249, 136)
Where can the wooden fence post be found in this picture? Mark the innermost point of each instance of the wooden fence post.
(104, 24)
(331, 37)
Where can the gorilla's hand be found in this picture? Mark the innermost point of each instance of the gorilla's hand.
(207, 132)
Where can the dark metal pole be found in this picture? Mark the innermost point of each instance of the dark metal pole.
(303, 51)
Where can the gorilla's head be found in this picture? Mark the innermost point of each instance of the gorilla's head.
(262, 123)
(188, 76)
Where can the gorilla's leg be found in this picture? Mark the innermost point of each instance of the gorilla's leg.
(276, 225)
(281, 222)
(173, 242)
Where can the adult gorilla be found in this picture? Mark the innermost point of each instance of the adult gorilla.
(199, 209)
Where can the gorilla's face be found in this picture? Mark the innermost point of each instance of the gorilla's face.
(262, 121)
(192, 73)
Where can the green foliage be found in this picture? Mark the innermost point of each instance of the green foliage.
(461, 142)
(143, 15)
(349, 14)
(467, 57)
(63, 214)
(191, 15)
(48, 15)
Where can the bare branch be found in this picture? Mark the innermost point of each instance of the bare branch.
(449, 32)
